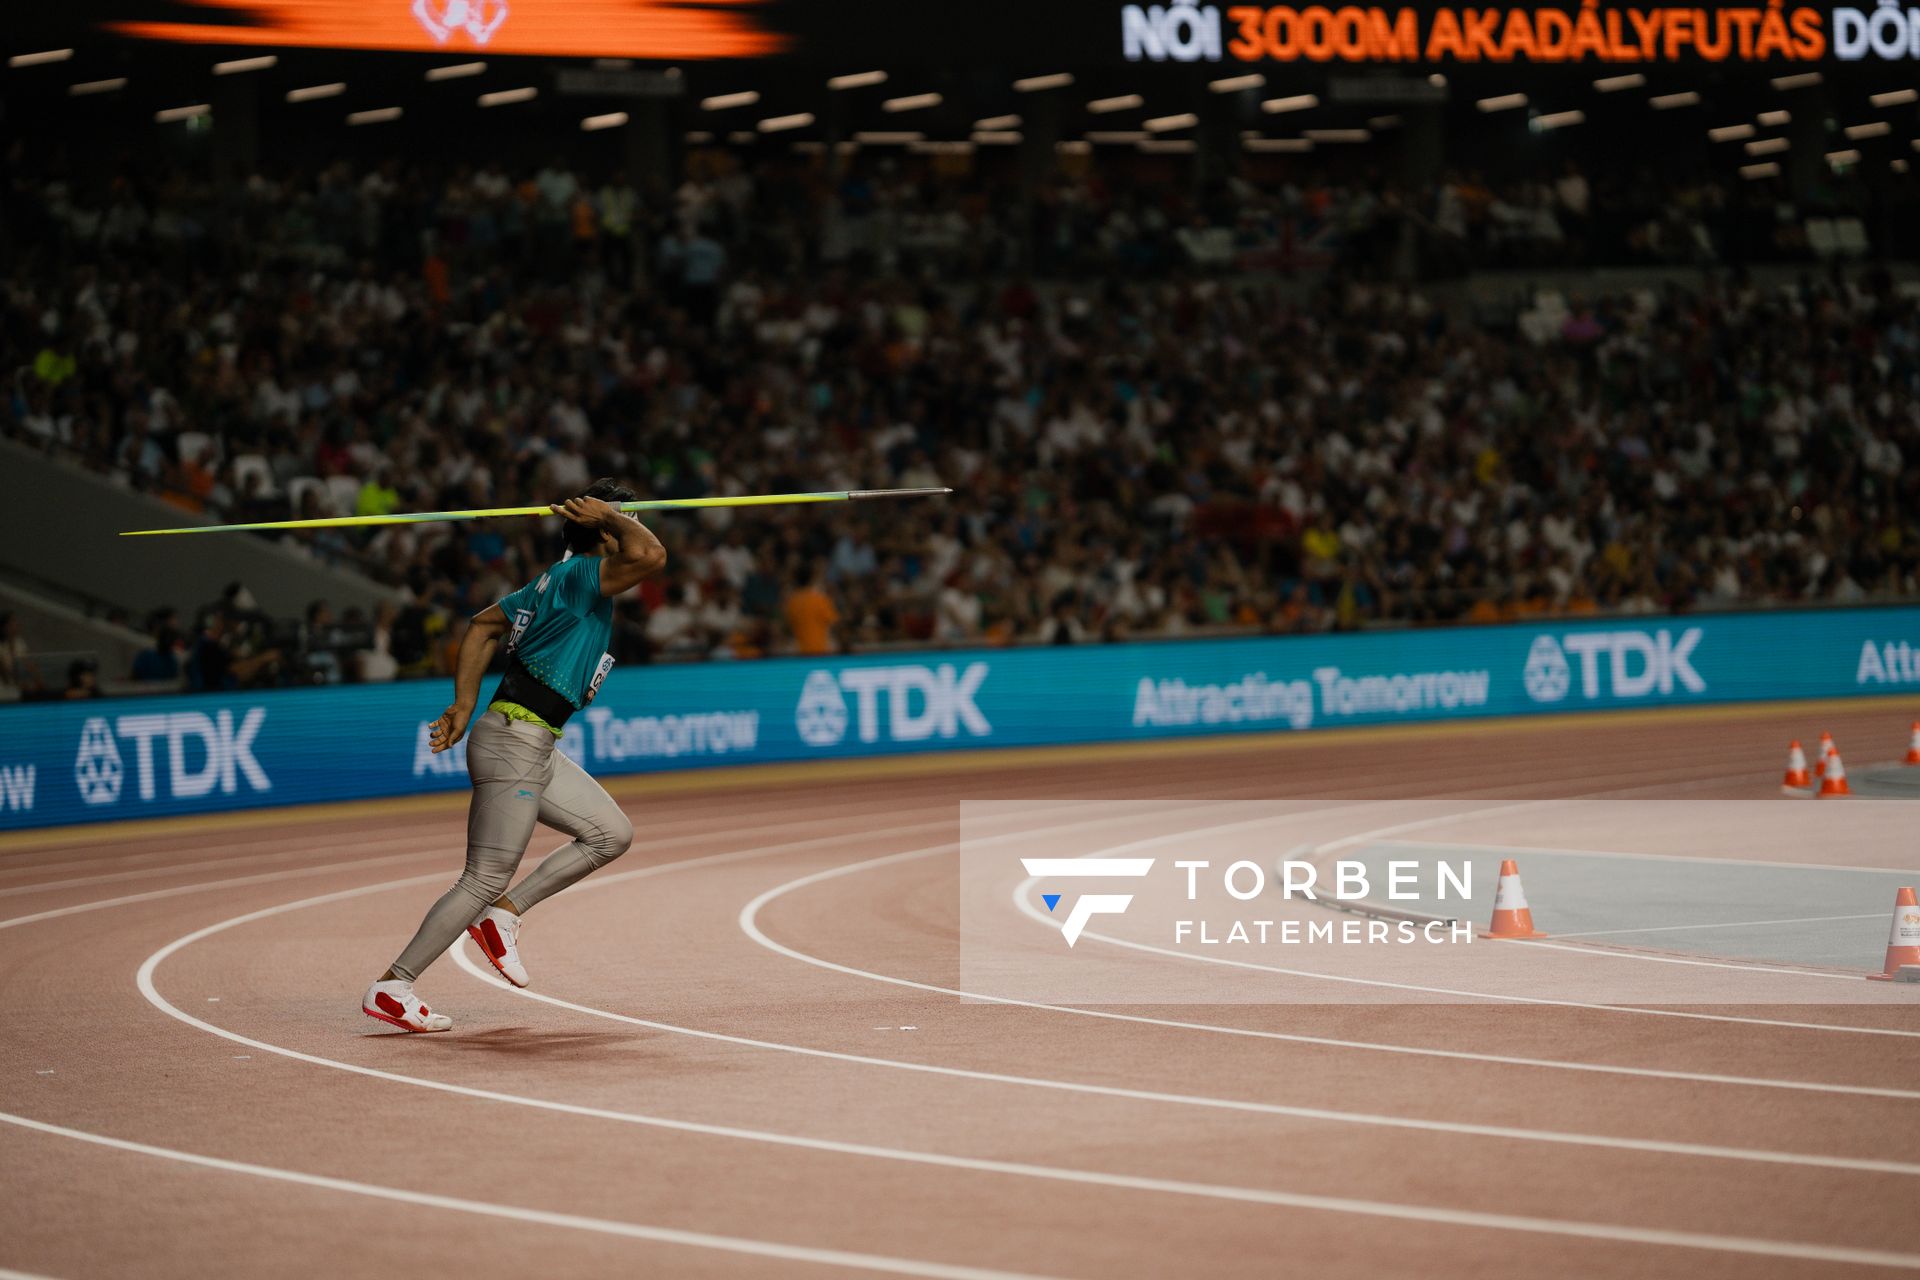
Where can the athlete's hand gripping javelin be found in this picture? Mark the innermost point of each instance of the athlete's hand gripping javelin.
(628, 552)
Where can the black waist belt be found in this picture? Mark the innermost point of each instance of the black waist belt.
(521, 686)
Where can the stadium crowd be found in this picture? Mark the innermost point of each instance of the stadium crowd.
(1167, 451)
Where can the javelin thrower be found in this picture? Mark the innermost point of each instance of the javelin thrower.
(556, 630)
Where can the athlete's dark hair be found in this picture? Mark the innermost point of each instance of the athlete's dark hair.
(582, 539)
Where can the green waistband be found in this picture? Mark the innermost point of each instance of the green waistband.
(514, 711)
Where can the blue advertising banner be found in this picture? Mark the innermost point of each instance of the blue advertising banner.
(147, 757)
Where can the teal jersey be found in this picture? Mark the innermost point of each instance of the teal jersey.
(561, 625)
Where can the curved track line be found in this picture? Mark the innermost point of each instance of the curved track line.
(1330, 1115)
(263, 877)
(749, 924)
(1052, 1173)
(1021, 901)
(537, 1217)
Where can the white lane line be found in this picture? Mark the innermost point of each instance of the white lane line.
(749, 924)
(1028, 909)
(1325, 1114)
(537, 1217)
(1650, 958)
(1724, 924)
(1501, 850)
(21, 1275)
(658, 835)
(1023, 892)
(760, 938)
(148, 873)
(1051, 1173)
(264, 877)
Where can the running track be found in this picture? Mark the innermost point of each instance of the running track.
(711, 1075)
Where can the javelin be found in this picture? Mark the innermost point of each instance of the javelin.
(491, 513)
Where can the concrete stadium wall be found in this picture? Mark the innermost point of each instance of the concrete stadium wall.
(64, 525)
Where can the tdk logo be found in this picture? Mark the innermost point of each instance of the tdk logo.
(1637, 664)
(920, 703)
(204, 754)
(1087, 905)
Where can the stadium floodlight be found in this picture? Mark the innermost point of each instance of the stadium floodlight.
(1121, 102)
(1438, 80)
(1767, 170)
(265, 62)
(87, 88)
(1234, 84)
(1111, 137)
(315, 92)
(1168, 146)
(507, 97)
(1168, 124)
(1804, 80)
(1875, 129)
(992, 123)
(172, 115)
(1614, 84)
(455, 71)
(1768, 146)
(912, 102)
(1839, 158)
(1773, 119)
(728, 101)
(1336, 135)
(1278, 145)
(376, 115)
(1668, 101)
(1038, 84)
(612, 120)
(39, 59)
(1298, 102)
(778, 124)
(1502, 102)
(996, 137)
(1559, 119)
(857, 80)
(1731, 132)
(889, 137)
(1895, 98)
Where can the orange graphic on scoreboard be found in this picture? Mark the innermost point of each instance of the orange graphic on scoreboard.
(551, 28)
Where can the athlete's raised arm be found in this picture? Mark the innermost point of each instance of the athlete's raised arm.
(630, 553)
(476, 655)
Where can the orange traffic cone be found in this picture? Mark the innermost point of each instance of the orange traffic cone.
(1511, 918)
(1903, 944)
(1826, 749)
(1833, 783)
(1796, 780)
(1913, 745)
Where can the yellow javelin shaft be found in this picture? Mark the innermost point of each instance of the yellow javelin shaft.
(491, 513)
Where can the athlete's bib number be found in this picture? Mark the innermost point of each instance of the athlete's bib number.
(599, 674)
